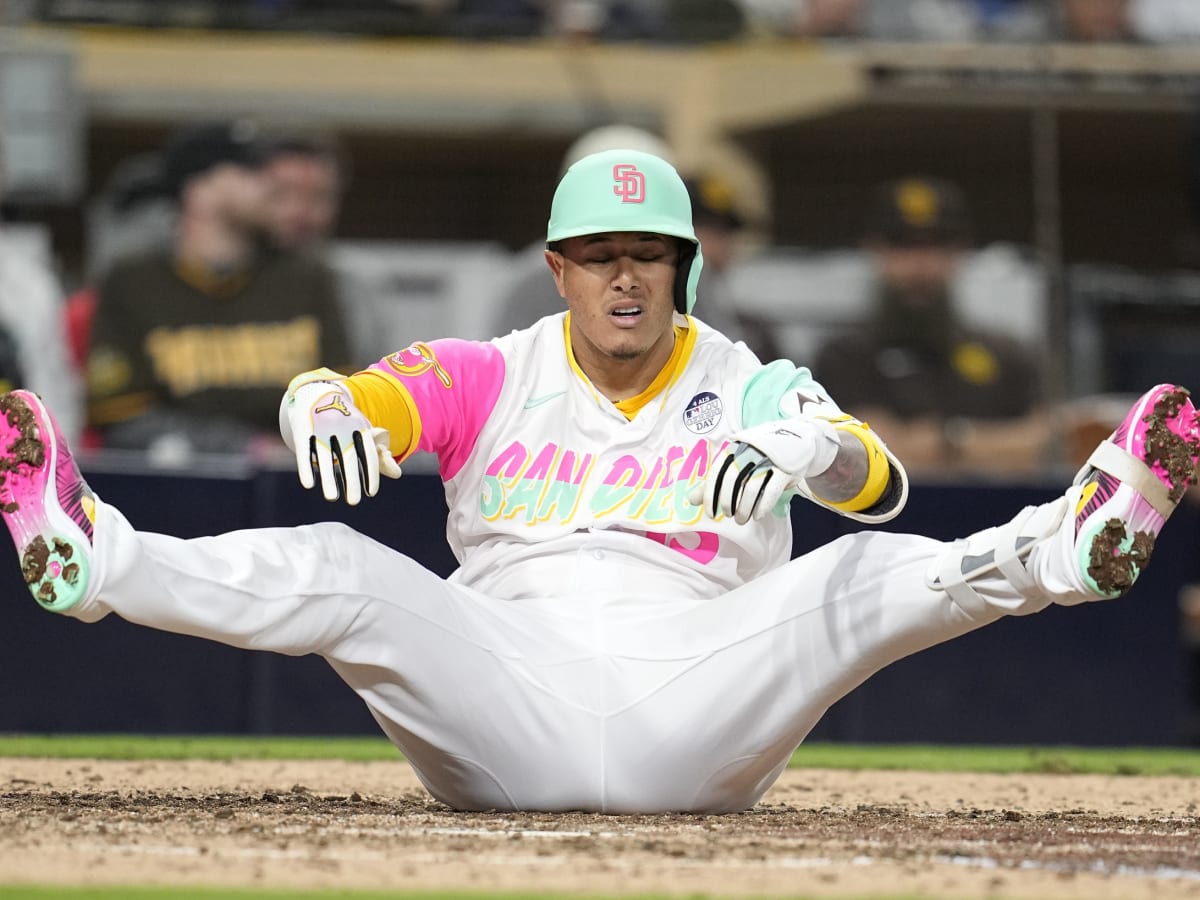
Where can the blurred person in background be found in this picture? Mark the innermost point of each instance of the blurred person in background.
(305, 184)
(927, 20)
(499, 18)
(805, 18)
(949, 395)
(1095, 21)
(129, 216)
(1165, 21)
(719, 226)
(703, 21)
(601, 20)
(33, 345)
(192, 343)
(605, 20)
(307, 175)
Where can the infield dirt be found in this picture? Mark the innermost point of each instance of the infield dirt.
(345, 825)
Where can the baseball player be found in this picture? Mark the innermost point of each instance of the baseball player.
(625, 632)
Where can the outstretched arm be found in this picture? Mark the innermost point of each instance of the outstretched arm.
(433, 397)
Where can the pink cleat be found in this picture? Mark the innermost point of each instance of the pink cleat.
(1131, 484)
(45, 502)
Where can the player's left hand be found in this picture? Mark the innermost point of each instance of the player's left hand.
(333, 441)
(747, 479)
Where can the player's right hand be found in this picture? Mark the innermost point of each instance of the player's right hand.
(333, 441)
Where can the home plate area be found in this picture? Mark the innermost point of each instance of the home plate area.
(369, 825)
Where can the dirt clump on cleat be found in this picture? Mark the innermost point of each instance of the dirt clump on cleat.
(1115, 562)
(34, 559)
(39, 561)
(26, 449)
(1173, 454)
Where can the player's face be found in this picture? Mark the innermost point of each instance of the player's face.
(920, 274)
(619, 288)
(303, 199)
(235, 195)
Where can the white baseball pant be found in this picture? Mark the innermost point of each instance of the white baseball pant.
(581, 702)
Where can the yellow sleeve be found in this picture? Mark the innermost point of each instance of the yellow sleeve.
(386, 404)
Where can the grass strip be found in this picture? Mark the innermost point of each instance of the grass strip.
(1002, 760)
(921, 757)
(216, 747)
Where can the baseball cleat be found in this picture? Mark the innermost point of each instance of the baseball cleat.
(45, 502)
(1131, 485)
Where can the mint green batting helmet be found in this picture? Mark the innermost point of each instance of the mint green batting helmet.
(629, 190)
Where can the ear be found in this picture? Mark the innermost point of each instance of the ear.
(556, 262)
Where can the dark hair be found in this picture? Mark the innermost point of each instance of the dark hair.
(311, 146)
(197, 149)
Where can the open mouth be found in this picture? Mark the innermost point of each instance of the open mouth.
(626, 312)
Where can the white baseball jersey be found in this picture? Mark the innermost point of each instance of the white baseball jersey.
(536, 463)
(603, 646)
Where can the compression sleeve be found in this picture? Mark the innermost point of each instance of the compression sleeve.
(387, 405)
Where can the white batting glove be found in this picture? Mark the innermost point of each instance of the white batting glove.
(747, 479)
(332, 439)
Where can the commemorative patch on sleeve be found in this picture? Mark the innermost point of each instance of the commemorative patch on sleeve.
(703, 413)
(418, 359)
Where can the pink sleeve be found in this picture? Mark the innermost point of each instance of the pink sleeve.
(454, 385)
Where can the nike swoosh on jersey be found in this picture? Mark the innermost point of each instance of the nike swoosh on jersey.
(545, 398)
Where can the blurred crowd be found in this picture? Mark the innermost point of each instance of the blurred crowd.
(977, 20)
(1155, 21)
(212, 274)
(212, 279)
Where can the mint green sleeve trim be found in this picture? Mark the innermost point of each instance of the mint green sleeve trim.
(763, 394)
